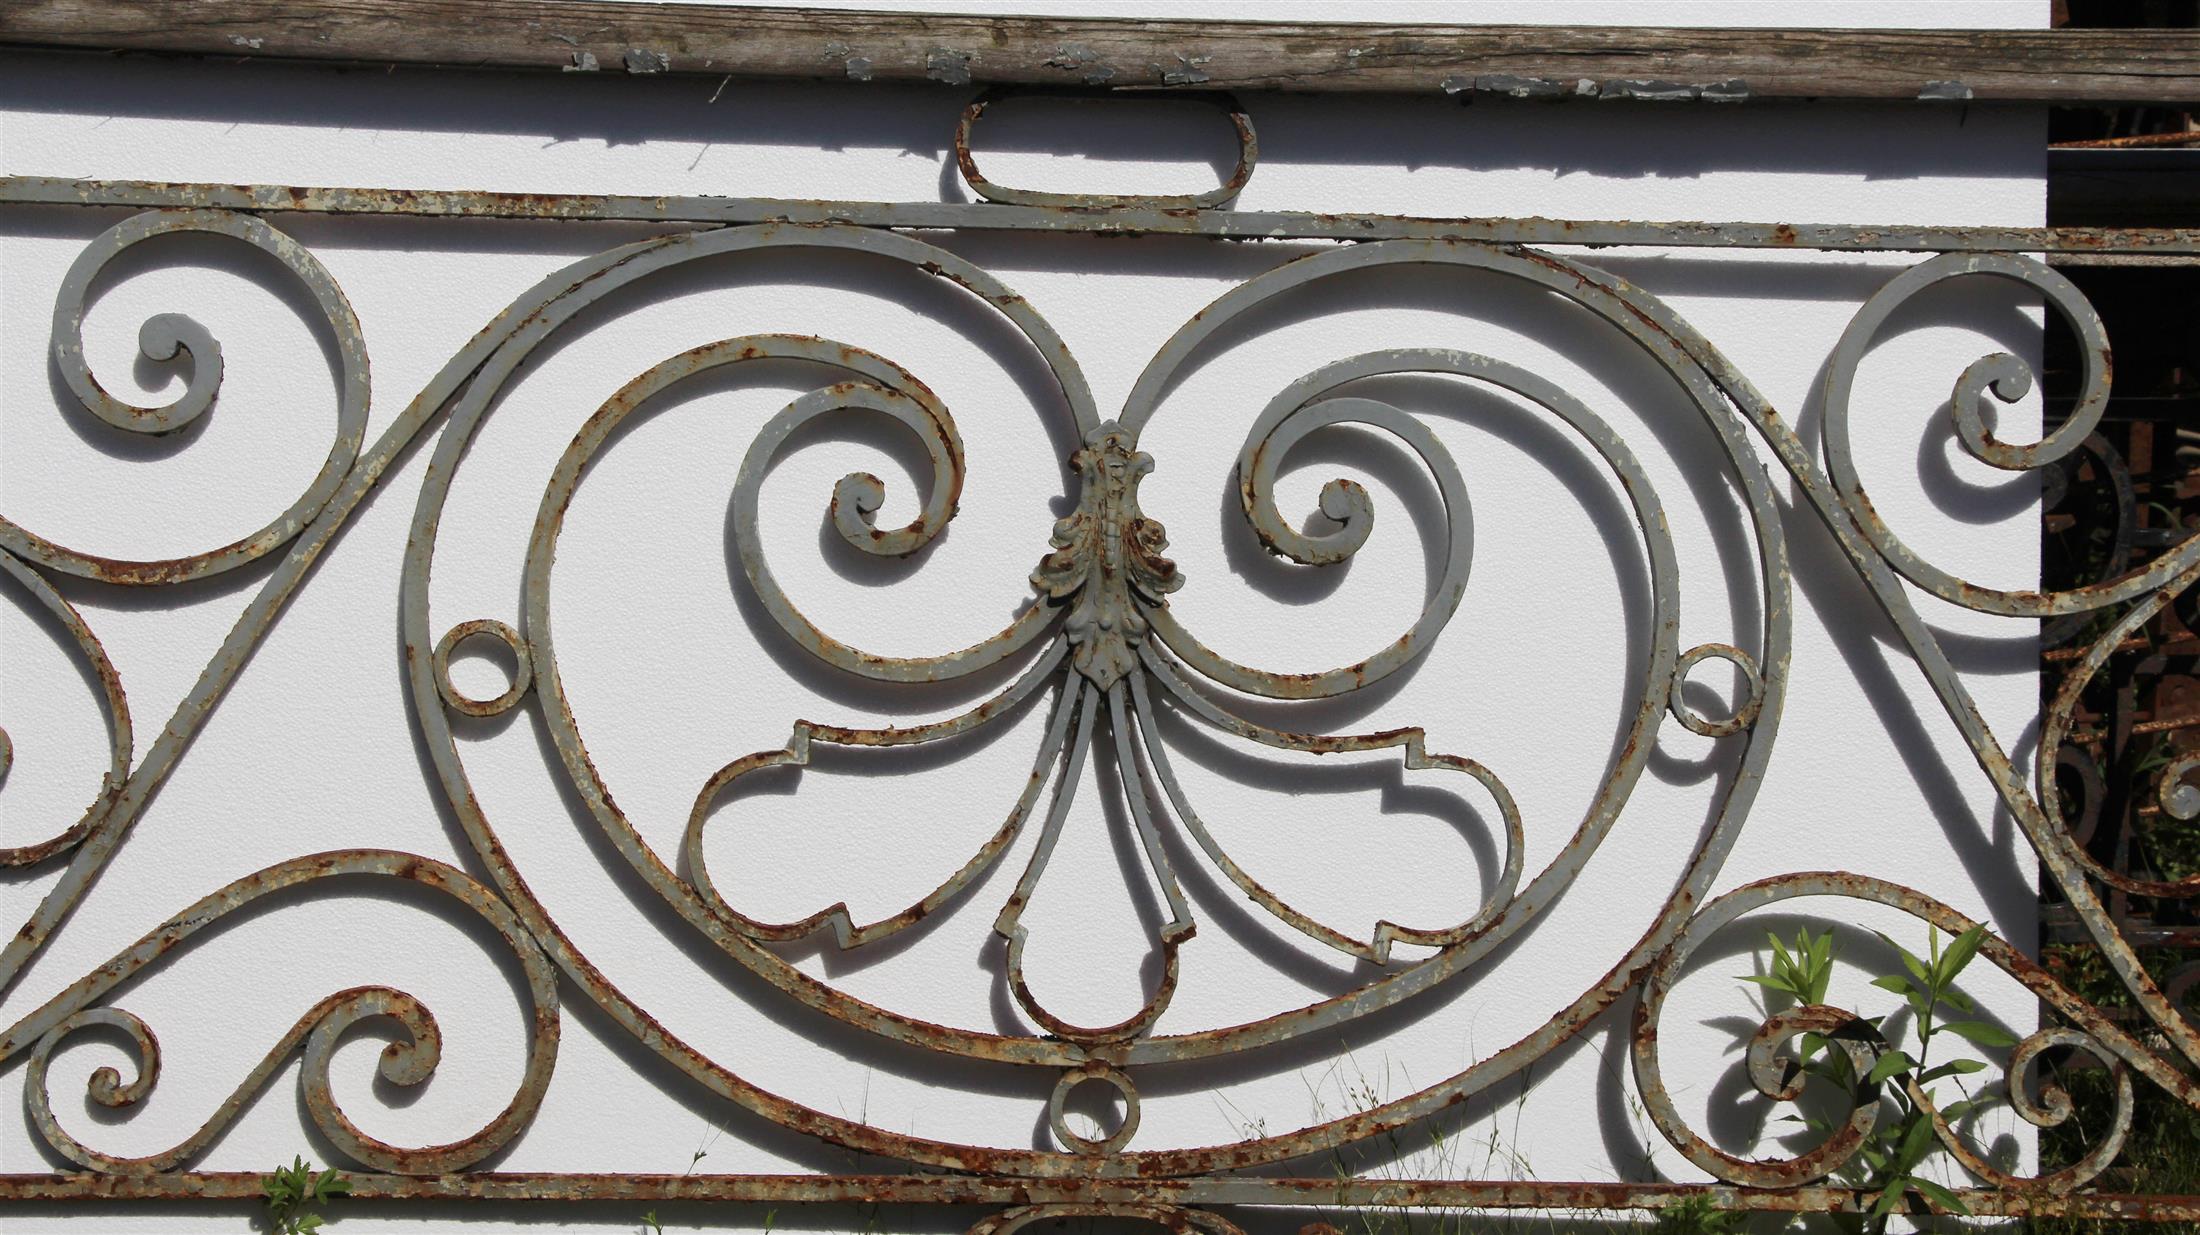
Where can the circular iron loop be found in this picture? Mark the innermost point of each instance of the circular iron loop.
(1057, 1114)
(1753, 686)
(523, 674)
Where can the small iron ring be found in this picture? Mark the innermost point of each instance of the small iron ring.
(1753, 684)
(1093, 1070)
(523, 675)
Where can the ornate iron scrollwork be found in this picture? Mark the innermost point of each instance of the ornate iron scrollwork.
(1100, 636)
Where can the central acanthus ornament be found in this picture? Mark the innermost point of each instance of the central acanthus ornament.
(1107, 559)
(1107, 647)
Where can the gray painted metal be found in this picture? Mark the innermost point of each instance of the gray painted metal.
(1100, 637)
(1133, 217)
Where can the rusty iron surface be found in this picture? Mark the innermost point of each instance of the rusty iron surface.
(1099, 639)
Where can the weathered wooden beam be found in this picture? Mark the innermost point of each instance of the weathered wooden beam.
(2049, 66)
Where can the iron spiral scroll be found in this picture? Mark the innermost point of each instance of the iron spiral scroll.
(1100, 640)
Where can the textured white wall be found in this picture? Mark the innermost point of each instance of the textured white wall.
(672, 675)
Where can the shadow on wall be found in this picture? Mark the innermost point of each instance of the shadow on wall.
(1334, 130)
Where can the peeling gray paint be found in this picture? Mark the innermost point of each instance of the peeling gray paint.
(643, 60)
(583, 62)
(859, 68)
(943, 64)
(1188, 71)
(1071, 56)
(1948, 91)
(1515, 87)
(1647, 91)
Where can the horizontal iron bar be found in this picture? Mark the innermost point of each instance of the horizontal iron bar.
(1633, 63)
(2150, 243)
(977, 1190)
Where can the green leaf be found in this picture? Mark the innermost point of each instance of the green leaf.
(1890, 1197)
(1955, 999)
(1941, 1196)
(1889, 1064)
(1983, 1033)
(1909, 960)
(1821, 967)
(1916, 1139)
(1893, 982)
(1954, 1067)
(1779, 952)
(1769, 980)
(1960, 953)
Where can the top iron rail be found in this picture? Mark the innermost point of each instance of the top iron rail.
(2165, 244)
(1554, 62)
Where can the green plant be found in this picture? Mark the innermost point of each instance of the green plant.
(1696, 1215)
(291, 1192)
(702, 1151)
(1891, 1158)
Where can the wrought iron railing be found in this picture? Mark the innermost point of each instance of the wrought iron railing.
(1102, 640)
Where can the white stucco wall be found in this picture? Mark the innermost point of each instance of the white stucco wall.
(673, 673)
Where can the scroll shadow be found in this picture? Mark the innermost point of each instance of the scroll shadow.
(1960, 498)
(1382, 774)
(884, 763)
(1829, 584)
(1132, 874)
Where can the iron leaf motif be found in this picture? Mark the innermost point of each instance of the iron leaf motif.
(1107, 560)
